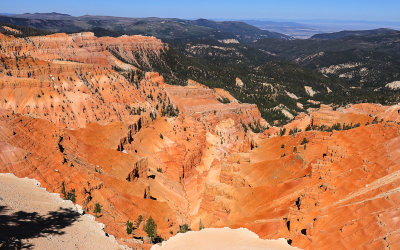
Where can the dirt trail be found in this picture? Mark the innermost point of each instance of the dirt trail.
(30, 217)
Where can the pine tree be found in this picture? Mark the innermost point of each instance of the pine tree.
(139, 220)
(63, 192)
(97, 209)
(151, 228)
(71, 195)
(129, 227)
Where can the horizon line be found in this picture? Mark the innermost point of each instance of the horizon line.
(222, 19)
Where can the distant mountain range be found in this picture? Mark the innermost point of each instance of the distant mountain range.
(165, 28)
(358, 33)
(45, 16)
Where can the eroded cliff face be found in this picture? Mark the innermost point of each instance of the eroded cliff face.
(138, 146)
(72, 80)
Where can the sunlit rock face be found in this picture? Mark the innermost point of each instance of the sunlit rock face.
(69, 79)
(77, 109)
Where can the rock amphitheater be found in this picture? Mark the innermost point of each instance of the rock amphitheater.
(75, 110)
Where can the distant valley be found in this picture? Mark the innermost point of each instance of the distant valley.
(304, 29)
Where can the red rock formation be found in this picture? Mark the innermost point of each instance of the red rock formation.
(139, 146)
(68, 79)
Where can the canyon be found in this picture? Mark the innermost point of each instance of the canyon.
(77, 110)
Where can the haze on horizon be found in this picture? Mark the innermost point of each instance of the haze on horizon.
(366, 10)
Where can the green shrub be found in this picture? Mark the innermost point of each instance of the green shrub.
(201, 226)
(256, 128)
(151, 228)
(97, 209)
(304, 141)
(224, 100)
(184, 228)
(139, 220)
(129, 227)
(68, 195)
(71, 195)
(244, 127)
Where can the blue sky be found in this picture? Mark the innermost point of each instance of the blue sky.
(371, 10)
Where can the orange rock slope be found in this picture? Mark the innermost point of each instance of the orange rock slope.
(76, 109)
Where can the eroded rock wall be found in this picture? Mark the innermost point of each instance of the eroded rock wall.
(78, 109)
